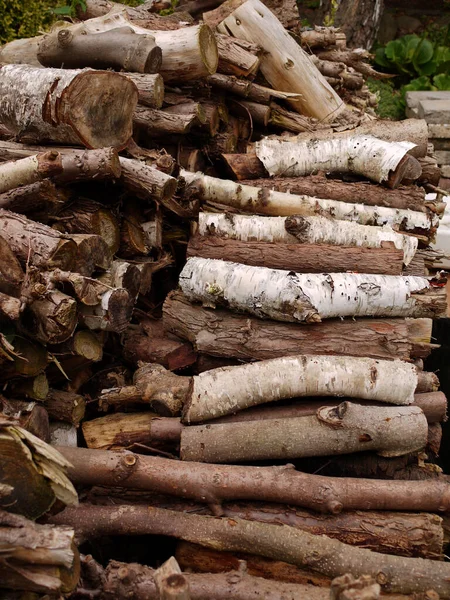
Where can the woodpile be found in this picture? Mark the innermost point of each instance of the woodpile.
(216, 298)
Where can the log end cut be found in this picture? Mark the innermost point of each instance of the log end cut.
(100, 107)
(208, 49)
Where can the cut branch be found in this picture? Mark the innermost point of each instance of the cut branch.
(29, 170)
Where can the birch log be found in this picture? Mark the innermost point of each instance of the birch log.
(224, 333)
(226, 390)
(29, 170)
(284, 296)
(303, 230)
(285, 65)
(91, 108)
(342, 429)
(318, 553)
(371, 157)
(226, 193)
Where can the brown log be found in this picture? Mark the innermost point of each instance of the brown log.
(29, 359)
(246, 89)
(9, 307)
(157, 123)
(35, 388)
(354, 59)
(88, 216)
(29, 415)
(93, 252)
(342, 429)
(118, 49)
(154, 346)
(36, 244)
(170, 582)
(76, 164)
(83, 343)
(150, 88)
(401, 534)
(120, 578)
(289, 120)
(321, 37)
(65, 406)
(133, 240)
(72, 115)
(42, 198)
(217, 483)
(38, 558)
(244, 166)
(428, 382)
(112, 314)
(189, 109)
(318, 553)
(223, 333)
(411, 197)
(260, 113)
(300, 258)
(237, 57)
(11, 273)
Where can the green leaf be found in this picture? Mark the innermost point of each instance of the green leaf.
(424, 52)
(396, 51)
(411, 47)
(381, 59)
(426, 69)
(417, 85)
(62, 11)
(442, 81)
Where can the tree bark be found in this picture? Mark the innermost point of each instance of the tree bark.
(401, 534)
(36, 200)
(215, 484)
(150, 88)
(29, 170)
(65, 406)
(318, 553)
(341, 429)
(93, 251)
(244, 88)
(308, 298)
(246, 198)
(113, 313)
(50, 318)
(83, 343)
(170, 582)
(237, 57)
(37, 558)
(29, 359)
(223, 333)
(118, 49)
(375, 159)
(305, 231)
(35, 388)
(71, 116)
(290, 71)
(11, 273)
(403, 197)
(358, 20)
(157, 123)
(301, 258)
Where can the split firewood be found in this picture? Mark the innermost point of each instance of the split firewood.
(253, 22)
(150, 88)
(119, 49)
(404, 197)
(247, 89)
(223, 333)
(303, 230)
(31, 416)
(204, 483)
(304, 258)
(273, 541)
(37, 558)
(237, 57)
(34, 472)
(72, 109)
(341, 429)
(308, 298)
(29, 170)
(340, 154)
(224, 193)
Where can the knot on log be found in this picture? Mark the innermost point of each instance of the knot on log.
(126, 467)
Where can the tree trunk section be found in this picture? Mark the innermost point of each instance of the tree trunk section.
(29, 170)
(215, 484)
(301, 258)
(308, 298)
(290, 71)
(62, 106)
(318, 553)
(120, 49)
(237, 57)
(341, 429)
(150, 88)
(223, 333)
(36, 200)
(65, 406)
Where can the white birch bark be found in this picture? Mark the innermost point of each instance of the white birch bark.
(363, 155)
(343, 429)
(226, 390)
(270, 202)
(21, 172)
(283, 296)
(284, 64)
(313, 230)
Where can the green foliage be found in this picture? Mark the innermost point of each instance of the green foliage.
(391, 104)
(420, 63)
(21, 18)
(169, 11)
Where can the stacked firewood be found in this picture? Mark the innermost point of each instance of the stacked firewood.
(214, 262)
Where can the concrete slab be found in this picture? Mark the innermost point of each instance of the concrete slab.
(442, 157)
(413, 99)
(435, 111)
(439, 130)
